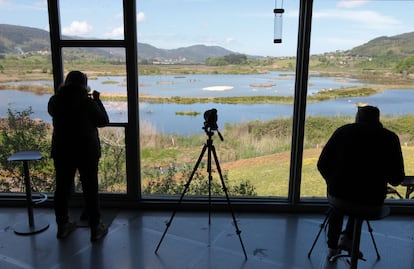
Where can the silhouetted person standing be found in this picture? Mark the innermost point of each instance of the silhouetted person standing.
(357, 163)
(76, 147)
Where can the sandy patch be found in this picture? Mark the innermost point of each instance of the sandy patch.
(218, 88)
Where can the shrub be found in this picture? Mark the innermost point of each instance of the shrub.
(20, 132)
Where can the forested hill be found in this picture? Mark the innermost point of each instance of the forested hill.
(399, 46)
(196, 53)
(21, 39)
(17, 39)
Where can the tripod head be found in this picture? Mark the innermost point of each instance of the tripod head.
(210, 123)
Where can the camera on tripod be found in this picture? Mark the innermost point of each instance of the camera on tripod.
(210, 120)
(210, 123)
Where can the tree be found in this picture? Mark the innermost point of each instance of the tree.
(216, 61)
(20, 132)
(174, 180)
(112, 165)
(237, 59)
(406, 65)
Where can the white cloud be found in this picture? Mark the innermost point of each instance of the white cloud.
(117, 32)
(77, 28)
(351, 3)
(229, 40)
(364, 18)
(140, 16)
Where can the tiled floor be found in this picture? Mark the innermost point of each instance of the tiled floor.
(271, 241)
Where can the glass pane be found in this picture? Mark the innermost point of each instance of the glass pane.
(195, 56)
(112, 165)
(25, 88)
(361, 54)
(105, 68)
(101, 19)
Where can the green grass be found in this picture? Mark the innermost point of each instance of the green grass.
(321, 96)
(187, 113)
(271, 179)
(259, 152)
(109, 82)
(268, 179)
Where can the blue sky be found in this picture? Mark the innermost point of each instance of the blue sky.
(245, 26)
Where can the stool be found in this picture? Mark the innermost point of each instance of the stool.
(408, 182)
(41, 224)
(361, 213)
(324, 225)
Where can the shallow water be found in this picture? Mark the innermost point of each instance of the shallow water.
(163, 117)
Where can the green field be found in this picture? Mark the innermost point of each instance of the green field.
(259, 152)
(271, 178)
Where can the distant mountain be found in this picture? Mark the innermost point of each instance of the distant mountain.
(21, 39)
(18, 39)
(398, 46)
(196, 53)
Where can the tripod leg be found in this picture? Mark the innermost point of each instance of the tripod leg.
(210, 178)
(373, 240)
(238, 232)
(322, 225)
(186, 186)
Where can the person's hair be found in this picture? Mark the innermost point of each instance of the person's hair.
(76, 78)
(368, 114)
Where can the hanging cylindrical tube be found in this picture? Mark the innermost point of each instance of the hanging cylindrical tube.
(278, 11)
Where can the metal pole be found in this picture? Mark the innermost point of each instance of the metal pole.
(299, 106)
(55, 40)
(28, 193)
(132, 133)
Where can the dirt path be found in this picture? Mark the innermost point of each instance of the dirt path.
(273, 158)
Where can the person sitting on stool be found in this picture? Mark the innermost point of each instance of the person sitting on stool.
(357, 163)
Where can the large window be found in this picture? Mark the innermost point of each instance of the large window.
(25, 87)
(361, 50)
(27, 84)
(105, 66)
(196, 56)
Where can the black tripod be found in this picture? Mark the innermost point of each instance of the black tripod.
(211, 149)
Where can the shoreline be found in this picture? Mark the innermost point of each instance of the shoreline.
(373, 87)
(322, 95)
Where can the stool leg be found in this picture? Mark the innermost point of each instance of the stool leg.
(28, 193)
(355, 243)
(373, 240)
(322, 225)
